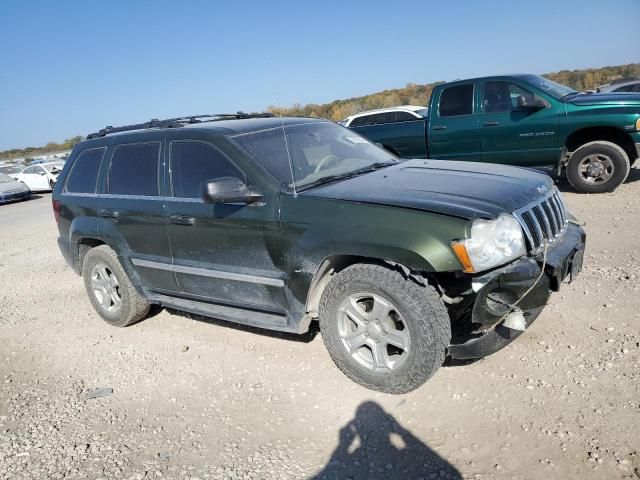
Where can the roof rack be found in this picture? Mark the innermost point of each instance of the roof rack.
(177, 122)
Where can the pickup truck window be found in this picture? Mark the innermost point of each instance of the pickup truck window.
(554, 89)
(500, 96)
(193, 163)
(456, 100)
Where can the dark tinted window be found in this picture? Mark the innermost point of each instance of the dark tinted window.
(361, 121)
(134, 169)
(628, 88)
(457, 100)
(385, 117)
(269, 149)
(405, 117)
(193, 163)
(84, 172)
(501, 96)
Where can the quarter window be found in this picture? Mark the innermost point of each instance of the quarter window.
(84, 172)
(361, 121)
(456, 100)
(194, 163)
(405, 117)
(134, 169)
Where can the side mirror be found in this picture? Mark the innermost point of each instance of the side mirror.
(528, 101)
(229, 190)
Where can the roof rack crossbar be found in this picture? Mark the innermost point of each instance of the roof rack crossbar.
(177, 122)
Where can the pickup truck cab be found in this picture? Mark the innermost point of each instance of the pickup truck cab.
(524, 120)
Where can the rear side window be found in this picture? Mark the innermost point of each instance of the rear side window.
(194, 163)
(84, 172)
(134, 169)
(456, 100)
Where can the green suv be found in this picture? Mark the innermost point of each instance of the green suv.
(280, 222)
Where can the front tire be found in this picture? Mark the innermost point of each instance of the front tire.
(110, 291)
(598, 167)
(383, 330)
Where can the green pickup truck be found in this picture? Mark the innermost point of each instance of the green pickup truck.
(524, 120)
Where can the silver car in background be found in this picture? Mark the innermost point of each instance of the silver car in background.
(12, 190)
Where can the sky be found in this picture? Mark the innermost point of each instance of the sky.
(69, 68)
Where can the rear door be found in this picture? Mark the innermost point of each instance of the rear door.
(453, 125)
(224, 253)
(516, 136)
(131, 211)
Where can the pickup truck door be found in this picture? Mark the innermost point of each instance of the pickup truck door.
(517, 136)
(227, 254)
(453, 124)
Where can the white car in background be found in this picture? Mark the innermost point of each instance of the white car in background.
(402, 113)
(41, 177)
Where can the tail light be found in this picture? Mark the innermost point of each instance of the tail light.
(56, 209)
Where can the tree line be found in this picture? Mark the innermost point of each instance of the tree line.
(418, 94)
(411, 94)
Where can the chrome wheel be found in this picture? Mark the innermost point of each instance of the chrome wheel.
(373, 332)
(106, 289)
(596, 168)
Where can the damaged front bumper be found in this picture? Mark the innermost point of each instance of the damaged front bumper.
(497, 292)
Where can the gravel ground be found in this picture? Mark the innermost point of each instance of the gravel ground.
(192, 399)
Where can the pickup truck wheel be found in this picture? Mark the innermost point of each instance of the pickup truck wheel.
(110, 290)
(383, 330)
(598, 167)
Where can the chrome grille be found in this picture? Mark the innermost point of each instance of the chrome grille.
(543, 220)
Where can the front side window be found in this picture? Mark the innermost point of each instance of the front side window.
(456, 100)
(361, 121)
(84, 171)
(312, 152)
(501, 96)
(134, 169)
(194, 163)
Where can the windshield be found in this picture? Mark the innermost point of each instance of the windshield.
(53, 167)
(311, 152)
(556, 90)
(6, 178)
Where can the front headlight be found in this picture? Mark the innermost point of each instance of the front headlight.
(491, 243)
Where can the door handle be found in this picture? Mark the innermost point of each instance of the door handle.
(108, 213)
(439, 127)
(491, 124)
(179, 219)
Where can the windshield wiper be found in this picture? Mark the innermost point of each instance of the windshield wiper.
(344, 176)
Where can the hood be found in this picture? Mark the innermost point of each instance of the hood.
(461, 189)
(630, 99)
(14, 186)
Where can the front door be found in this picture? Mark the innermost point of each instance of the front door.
(36, 178)
(517, 136)
(223, 253)
(453, 128)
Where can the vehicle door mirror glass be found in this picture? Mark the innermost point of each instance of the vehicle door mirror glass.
(529, 101)
(229, 190)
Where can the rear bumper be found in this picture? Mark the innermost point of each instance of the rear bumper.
(503, 287)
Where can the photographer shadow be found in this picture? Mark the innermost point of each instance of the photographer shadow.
(375, 446)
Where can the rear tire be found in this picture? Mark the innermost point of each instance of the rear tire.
(109, 289)
(386, 311)
(598, 167)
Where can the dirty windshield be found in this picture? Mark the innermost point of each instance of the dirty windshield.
(308, 154)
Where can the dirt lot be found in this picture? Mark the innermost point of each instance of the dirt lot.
(194, 399)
